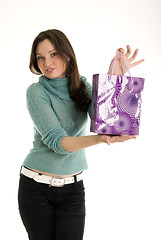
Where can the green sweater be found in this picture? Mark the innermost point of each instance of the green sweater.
(55, 116)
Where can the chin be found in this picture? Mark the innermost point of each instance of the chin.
(51, 76)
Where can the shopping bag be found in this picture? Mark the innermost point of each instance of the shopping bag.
(116, 103)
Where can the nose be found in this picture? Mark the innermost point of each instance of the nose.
(47, 62)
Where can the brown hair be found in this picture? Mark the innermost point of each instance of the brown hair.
(77, 88)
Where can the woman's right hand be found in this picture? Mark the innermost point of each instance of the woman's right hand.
(113, 139)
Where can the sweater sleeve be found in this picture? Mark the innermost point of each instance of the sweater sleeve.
(89, 91)
(45, 119)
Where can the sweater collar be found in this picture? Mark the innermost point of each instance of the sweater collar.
(56, 86)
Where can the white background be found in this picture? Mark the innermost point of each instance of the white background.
(123, 198)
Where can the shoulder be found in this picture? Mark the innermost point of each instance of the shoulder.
(36, 92)
(35, 89)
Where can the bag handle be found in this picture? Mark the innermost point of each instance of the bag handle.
(122, 59)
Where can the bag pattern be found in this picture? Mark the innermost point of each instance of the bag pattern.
(116, 104)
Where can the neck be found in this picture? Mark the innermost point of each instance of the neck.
(57, 86)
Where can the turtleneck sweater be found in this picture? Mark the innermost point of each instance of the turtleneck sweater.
(54, 117)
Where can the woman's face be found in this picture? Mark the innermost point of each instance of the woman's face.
(49, 61)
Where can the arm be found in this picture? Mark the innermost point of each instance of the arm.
(45, 119)
(48, 126)
(77, 143)
(89, 91)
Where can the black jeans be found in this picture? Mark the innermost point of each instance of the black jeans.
(52, 213)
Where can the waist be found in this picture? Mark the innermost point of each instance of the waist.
(60, 165)
(54, 175)
(51, 181)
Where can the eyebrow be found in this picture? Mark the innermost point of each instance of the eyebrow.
(48, 52)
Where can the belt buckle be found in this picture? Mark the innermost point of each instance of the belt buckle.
(57, 182)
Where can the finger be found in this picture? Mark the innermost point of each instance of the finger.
(118, 139)
(134, 136)
(127, 54)
(108, 140)
(121, 50)
(136, 63)
(126, 137)
(131, 137)
(134, 55)
(122, 138)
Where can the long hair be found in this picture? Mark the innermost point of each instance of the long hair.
(77, 88)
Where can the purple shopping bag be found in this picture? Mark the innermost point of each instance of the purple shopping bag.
(116, 103)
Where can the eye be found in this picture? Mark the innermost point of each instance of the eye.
(40, 58)
(54, 54)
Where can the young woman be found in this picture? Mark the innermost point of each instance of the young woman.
(51, 191)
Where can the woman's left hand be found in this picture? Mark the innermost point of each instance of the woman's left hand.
(114, 139)
(129, 61)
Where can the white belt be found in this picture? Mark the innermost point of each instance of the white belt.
(52, 181)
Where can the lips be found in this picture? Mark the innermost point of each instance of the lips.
(49, 70)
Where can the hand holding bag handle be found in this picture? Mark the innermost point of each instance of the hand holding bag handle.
(113, 64)
(128, 62)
